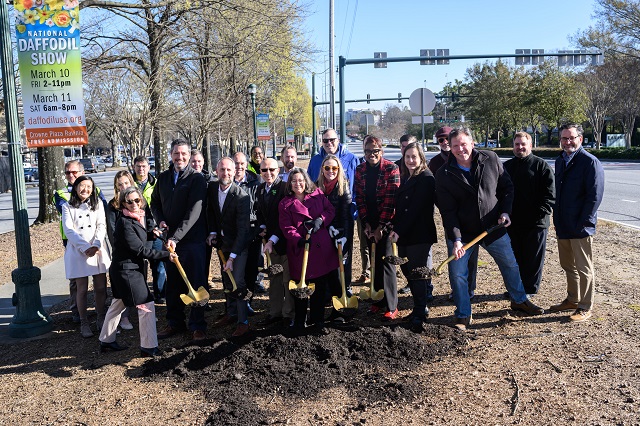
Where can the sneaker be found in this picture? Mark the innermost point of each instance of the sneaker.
(125, 324)
(580, 315)
(362, 279)
(259, 289)
(404, 290)
(463, 323)
(390, 316)
(85, 329)
(565, 305)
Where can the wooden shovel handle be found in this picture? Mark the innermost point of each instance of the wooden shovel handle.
(224, 263)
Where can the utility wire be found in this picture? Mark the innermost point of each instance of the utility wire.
(355, 10)
(344, 26)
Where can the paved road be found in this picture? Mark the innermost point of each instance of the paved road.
(621, 202)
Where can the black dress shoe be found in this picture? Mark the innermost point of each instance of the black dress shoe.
(150, 352)
(113, 346)
(269, 320)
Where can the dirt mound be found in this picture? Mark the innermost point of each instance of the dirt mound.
(368, 361)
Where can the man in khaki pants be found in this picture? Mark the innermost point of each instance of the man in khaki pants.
(579, 189)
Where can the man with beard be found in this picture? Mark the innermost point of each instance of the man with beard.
(177, 204)
(579, 191)
(288, 156)
(268, 196)
(228, 217)
(534, 195)
(248, 181)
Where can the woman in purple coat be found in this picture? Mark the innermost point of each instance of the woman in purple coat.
(305, 207)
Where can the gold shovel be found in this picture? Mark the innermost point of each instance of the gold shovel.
(303, 290)
(343, 301)
(234, 292)
(394, 259)
(371, 293)
(271, 269)
(200, 297)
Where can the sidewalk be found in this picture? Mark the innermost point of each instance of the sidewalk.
(54, 288)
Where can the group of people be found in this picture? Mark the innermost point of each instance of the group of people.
(299, 219)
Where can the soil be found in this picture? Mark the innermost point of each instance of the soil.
(505, 369)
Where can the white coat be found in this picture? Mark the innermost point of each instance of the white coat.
(85, 228)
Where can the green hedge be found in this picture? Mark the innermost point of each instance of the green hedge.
(604, 153)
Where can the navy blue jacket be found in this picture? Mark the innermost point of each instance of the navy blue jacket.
(579, 190)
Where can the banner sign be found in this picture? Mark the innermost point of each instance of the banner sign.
(48, 39)
(290, 138)
(264, 134)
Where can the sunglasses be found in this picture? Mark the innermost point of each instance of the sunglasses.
(440, 140)
(331, 168)
(372, 151)
(268, 170)
(329, 140)
(72, 172)
(137, 201)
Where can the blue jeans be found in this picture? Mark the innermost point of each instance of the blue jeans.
(157, 271)
(502, 253)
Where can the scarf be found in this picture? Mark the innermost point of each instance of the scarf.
(328, 186)
(137, 216)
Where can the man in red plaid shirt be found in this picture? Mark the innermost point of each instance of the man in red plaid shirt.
(376, 182)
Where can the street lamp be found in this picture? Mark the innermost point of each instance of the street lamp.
(252, 89)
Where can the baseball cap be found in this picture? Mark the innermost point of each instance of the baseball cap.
(443, 132)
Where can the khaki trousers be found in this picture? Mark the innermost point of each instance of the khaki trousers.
(280, 298)
(576, 259)
(146, 323)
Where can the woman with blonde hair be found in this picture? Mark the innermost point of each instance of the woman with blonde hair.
(335, 186)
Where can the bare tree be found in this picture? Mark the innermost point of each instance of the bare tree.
(600, 95)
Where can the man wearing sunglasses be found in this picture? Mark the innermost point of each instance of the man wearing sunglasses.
(73, 169)
(442, 137)
(268, 196)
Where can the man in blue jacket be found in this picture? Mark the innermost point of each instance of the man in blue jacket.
(331, 145)
(579, 190)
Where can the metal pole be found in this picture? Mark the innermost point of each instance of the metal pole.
(30, 318)
(332, 75)
(422, 114)
(255, 123)
(343, 128)
(314, 131)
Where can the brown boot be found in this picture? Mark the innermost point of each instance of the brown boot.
(565, 305)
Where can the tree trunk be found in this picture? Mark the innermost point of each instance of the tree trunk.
(51, 170)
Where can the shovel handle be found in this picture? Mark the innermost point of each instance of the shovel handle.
(268, 255)
(469, 245)
(342, 279)
(373, 266)
(394, 246)
(224, 262)
(305, 258)
(182, 272)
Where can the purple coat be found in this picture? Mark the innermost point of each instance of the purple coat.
(323, 256)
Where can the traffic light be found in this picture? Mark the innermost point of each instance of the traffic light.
(441, 119)
(399, 97)
(368, 98)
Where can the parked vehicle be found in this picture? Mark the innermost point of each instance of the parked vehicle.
(31, 174)
(91, 165)
(152, 162)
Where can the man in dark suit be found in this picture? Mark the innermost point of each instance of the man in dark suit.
(177, 204)
(268, 196)
(228, 217)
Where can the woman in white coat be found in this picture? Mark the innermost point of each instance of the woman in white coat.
(84, 223)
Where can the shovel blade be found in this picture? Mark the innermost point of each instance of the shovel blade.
(365, 294)
(377, 295)
(187, 300)
(340, 303)
(202, 295)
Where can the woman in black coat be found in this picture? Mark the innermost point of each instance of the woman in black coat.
(413, 227)
(335, 186)
(128, 273)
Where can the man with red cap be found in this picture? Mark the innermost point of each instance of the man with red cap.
(442, 136)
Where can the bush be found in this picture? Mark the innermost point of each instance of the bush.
(603, 153)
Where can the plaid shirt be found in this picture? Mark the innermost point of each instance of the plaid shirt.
(388, 183)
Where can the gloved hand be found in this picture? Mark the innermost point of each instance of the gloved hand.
(313, 224)
(303, 240)
(333, 232)
(342, 241)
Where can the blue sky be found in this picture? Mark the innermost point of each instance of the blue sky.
(403, 27)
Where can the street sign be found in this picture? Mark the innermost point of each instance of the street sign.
(379, 55)
(416, 119)
(422, 101)
(262, 124)
(290, 136)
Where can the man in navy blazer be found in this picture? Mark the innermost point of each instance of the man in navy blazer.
(579, 191)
